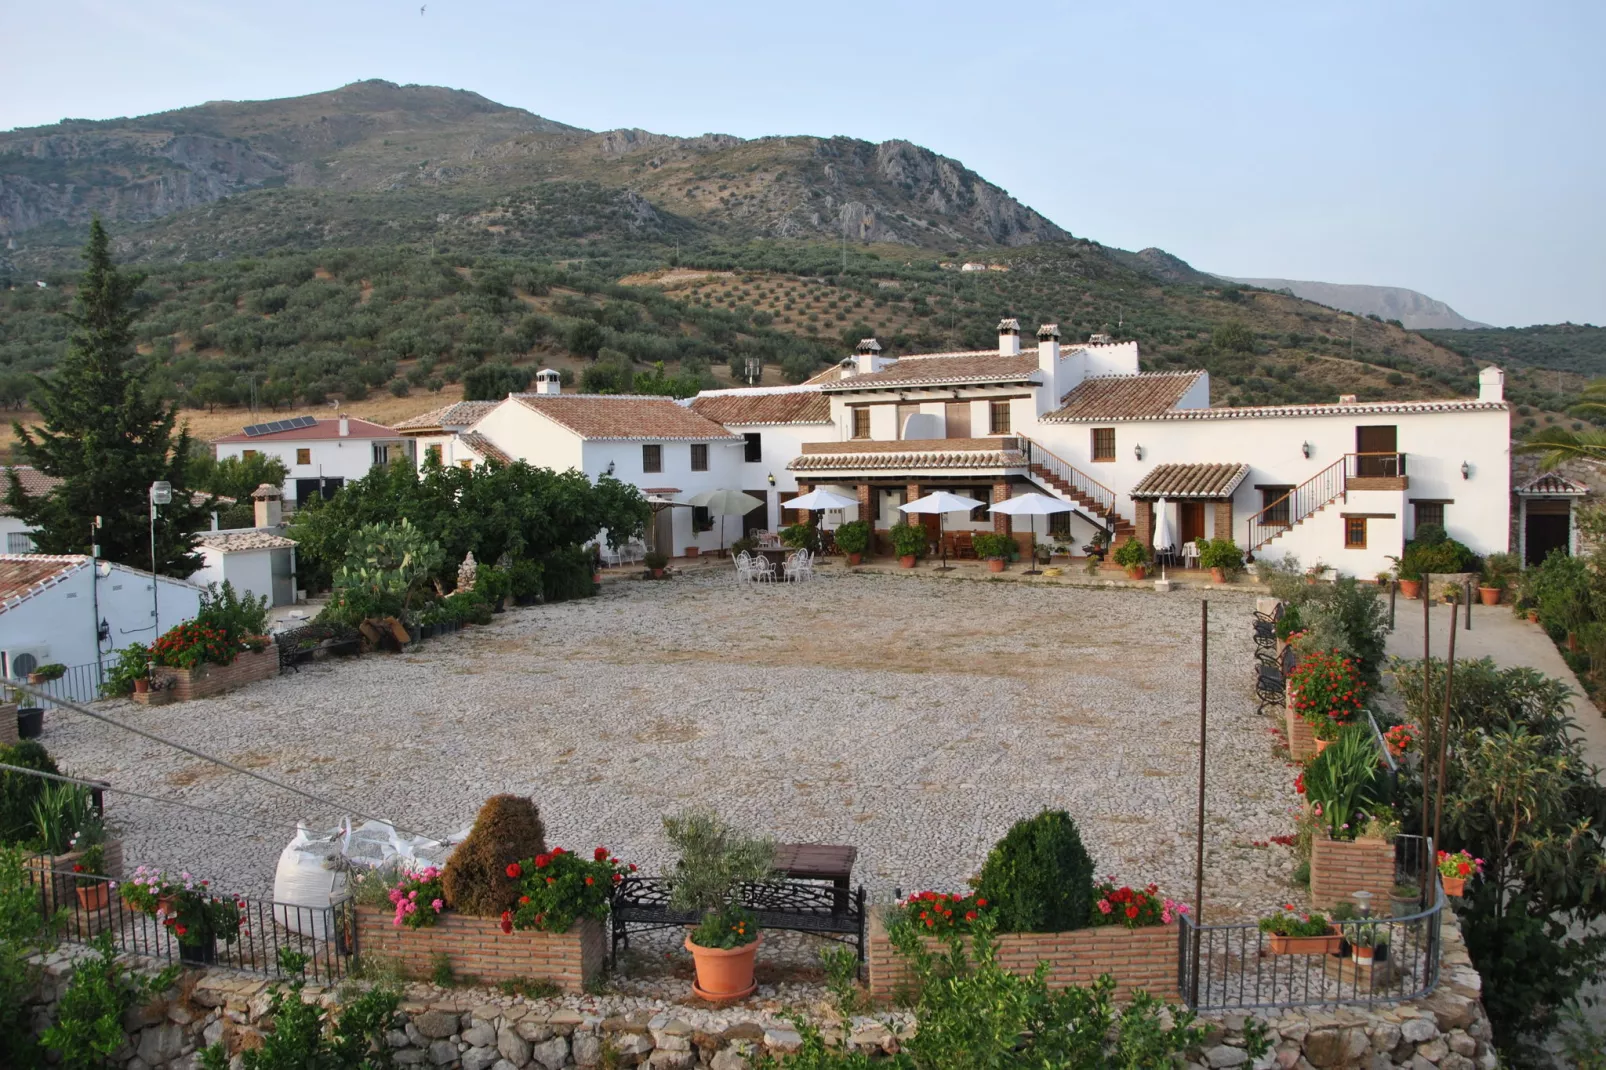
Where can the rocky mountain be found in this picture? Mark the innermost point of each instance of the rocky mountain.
(466, 160)
(1416, 311)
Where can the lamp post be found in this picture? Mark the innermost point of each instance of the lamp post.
(161, 494)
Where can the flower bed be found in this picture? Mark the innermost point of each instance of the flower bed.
(1326, 690)
(478, 948)
(1340, 868)
(206, 679)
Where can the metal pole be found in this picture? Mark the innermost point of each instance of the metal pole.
(1444, 732)
(1469, 605)
(1198, 858)
(1427, 715)
(1394, 589)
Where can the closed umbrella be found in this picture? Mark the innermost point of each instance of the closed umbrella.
(941, 502)
(723, 503)
(1162, 531)
(1032, 504)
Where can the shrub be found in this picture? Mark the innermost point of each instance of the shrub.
(492, 584)
(88, 1029)
(19, 792)
(1131, 554)
(1326, 689)
(852, 537)
(655, 560)
(1561, 588)
(1221, 553)
(800, 537)
(508, 828)
(566, 574)
(524, 579)
(989, 544)
(1039, 876)
(908, 540)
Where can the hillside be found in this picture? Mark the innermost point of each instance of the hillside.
(1415, 311)
(1579, 349)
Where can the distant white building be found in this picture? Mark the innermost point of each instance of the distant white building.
(18, 536)
(320, 454)
(258, 561)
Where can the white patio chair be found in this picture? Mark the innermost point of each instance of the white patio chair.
(744, 567)
(1190, 555)
(763, 568)
(612, 556)
(799, 567)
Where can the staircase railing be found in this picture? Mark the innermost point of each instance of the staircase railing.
(1079, 481)
(1319, 490)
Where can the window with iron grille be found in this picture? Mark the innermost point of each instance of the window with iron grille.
(753, 448)
(1354, 533)
(998, 417)
(1428, 513)
(1274, 505)
(652, 458)
(699, 457)
(19, 542)
(1059, 525)
(861, 421)
(1104, 443)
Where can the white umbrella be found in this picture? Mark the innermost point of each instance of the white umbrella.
(723, 503)
(1162, 530)
(1031, 504)
(941, 502)
(821, 498)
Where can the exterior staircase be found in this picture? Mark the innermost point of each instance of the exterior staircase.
(1092, 499)
(1365, 471)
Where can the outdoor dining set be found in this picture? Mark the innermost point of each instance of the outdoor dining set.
(759, 566)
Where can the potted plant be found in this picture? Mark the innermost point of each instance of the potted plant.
(715, 862)
(1409, 571)
(46, 673)
(1364, 940)
(188, 909)
(1401, 739)
(1384, 578)
(1405, 900)
(94, 892)
(1327, 690)
(1098, 547)
(30, 717)
(1316, 572)
(1222, 557)
(1450, 594)
(1292, 932)
(1133, 556)
(1456, 869)
(994, 548)
(908, 543)
(852, 539)
(656, 563)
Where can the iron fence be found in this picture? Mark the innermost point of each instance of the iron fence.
(80, 683)
(1239, 967)
(83, 906)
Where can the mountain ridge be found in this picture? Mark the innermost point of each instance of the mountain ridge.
(1414, 309)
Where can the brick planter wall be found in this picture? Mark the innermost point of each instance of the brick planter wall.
(1137, 958)
(1339, 869)
(8, 723)
(205, 681)
(477, 947)
(1301, 739)
(58, 888)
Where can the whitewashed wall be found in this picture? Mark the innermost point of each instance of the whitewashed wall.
(59, 624)
(337, 458)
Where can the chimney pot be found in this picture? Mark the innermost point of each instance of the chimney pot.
(345, 425)
(1008, 337)
(548, 382)
(867, 356)
(1491, 384)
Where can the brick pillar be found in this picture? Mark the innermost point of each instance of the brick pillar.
(1223, 521)
(866, 504)
(803, 514)
(1143, 518)
(1001, 521)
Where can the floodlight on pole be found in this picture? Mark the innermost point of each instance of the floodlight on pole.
(161, 493)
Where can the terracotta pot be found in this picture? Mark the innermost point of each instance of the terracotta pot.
(1410, 588)
(596, 577)
(94, 896)
(1362, 955)
(1136, 572)
(724, 976)
(1455, 886)
(142, 686)
(854, 559)
(657, 573)
(1533, 616)
(1305, 945)
(1489, 596)
(1322, 744)
(995, 564)
(693, 551)
(1572, 642)
(35, 678)
(906, 561)
(1218, 575)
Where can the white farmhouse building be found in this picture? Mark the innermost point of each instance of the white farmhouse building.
(18, 537)
(319, 454)
(72, 610)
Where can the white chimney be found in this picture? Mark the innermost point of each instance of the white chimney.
(548, 381)
(1491, 384)
(867, 357)
(1347, 399)
(345, 425)
(1009, 338)
(268, 506)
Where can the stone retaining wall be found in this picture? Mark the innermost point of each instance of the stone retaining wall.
(207, 680)
(1137, 958)
(1340, 868)
(478, 948)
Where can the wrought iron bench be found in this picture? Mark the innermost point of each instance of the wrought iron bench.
(1271, 677)
(642, 904)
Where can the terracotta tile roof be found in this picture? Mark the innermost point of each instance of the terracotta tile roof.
(1349, 408)
(624, 416)
(232, 541)
(24, 575)
(978, 366)
(909, 455)
(320, 431)
(484, 447)
(1553, 483)
(34, 483)
(1124, 397)
(460, 414)
(773, 407)
(1191, 481)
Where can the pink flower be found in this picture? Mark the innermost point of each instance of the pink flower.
(437, 904)
(1104, 906)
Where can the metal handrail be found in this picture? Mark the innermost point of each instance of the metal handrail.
(1319, 490)
(1079, 481)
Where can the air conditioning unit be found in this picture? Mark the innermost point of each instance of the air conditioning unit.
(18, 662)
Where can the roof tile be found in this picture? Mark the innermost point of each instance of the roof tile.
(1124, 397)
(233, 541)
(776, 407)
(980, 366)
(34, 483)
(458, 414)
(624, 416)
(1191, 481)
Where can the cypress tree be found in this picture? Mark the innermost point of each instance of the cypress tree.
(106, 437)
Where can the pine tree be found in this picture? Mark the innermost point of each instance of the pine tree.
(107, 438)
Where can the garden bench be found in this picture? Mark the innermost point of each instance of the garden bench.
(293, 658)
(1271, 677)
(796, 905)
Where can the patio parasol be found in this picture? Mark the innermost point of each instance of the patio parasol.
(1162, 533)
(723, 503)
(940, 502)
(1032, 504)
(820, 498)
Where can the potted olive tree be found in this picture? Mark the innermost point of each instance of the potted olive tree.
(1133, 556)
(908, 542)
(716, 860)
(995, 548)
(852, 539)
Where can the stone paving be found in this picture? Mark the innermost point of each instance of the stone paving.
(916, 718)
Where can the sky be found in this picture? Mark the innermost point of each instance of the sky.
(1453, 148)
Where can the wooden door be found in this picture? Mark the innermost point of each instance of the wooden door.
(1191, 521)
(957, 416)
(1370, 442)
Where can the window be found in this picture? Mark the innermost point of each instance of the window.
(433, 453)
(1104, 443)
(1274, 504)
(381, 455)
(246, 455)
(303, 456)
(1059, 526)
(753, 448)
(699, 457)
(861, 421)
(701, 519)
(652, 458)
(19, 542)
(1354, 533)
(1428, 513)
(465, 464)
(998, 419)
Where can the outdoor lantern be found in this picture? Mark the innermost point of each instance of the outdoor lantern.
(1466, 470)
(610, 468)
(772, 479)
(1137, 451)
(1305, 449)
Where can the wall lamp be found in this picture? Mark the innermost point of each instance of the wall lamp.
(1305, 448)
(1466, 470)
(1137, 451)
(772, 479)
(610, 468)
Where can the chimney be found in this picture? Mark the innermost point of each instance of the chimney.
(269, 506)
(1346, 399)
(1009, 338)
(1491, 384)
(867, 357)
(345, 425)
(548, 381)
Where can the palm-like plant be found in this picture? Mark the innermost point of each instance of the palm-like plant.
(1557, 444)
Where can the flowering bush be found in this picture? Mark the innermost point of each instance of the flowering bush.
(185, 906)
(1460, 864)
(1291, 922)
(1327, 691)
(1132, 907)
(187, 645)
(558, 886)
(1401, 738)
(418, 897)
(940, 913)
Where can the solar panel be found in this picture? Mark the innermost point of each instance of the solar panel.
(275, 426)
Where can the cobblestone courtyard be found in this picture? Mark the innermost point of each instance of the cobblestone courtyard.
(916, 719)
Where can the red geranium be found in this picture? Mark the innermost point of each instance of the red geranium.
(514, 871)
(600, 854)
(942, 912)
(560, 887)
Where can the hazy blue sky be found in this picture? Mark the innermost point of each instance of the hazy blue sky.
(1455, 148)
